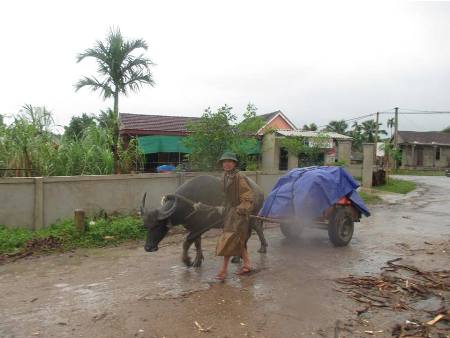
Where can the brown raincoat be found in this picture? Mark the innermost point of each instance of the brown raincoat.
(239, 199)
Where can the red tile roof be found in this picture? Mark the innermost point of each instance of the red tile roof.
(140, 124)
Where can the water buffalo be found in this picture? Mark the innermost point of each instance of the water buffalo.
(198, 218)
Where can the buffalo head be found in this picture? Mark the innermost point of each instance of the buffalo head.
(157, 222)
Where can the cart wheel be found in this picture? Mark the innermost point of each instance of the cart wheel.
(340, 228)
(291, 230)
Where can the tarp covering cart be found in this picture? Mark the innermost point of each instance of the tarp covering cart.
(316, 195)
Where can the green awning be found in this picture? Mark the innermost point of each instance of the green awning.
(251, 146)
(162, 144)
(174, 144)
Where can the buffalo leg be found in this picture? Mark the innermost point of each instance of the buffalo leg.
(258, 226)
(235, 259)
(186, 245)
(199, 254)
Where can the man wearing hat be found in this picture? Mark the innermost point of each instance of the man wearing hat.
(239, 199)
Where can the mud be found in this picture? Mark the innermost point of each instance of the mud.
(126, 292)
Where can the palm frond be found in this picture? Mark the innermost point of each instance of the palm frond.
(95, 84)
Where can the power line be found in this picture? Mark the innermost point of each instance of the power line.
(427, 111)
(406, 111)
(399, 111)
(352, 119)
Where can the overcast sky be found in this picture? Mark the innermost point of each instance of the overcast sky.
(315, 61)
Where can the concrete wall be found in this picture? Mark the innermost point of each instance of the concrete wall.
(38, 202)
(17, 201)
(355, 170)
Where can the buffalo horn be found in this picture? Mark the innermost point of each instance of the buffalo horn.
(143, 204)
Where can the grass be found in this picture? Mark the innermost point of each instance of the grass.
(370, 198)
(397, 186)
(413, 172)
(99, 233)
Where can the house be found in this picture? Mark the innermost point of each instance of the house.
(334, 146)
(159, 137)
(275, 157)
(422, 150)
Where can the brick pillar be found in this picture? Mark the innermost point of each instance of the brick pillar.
(413, 155)
(368, 149)
(434, 156)
(270, 154)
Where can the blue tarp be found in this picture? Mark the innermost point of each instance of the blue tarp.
(308, 192)
(165, 168)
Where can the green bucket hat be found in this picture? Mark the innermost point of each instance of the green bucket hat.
(228, 155)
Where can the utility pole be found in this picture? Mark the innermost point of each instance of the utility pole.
(377, 121)
(376, 135)
(396, 128)
(396, 135)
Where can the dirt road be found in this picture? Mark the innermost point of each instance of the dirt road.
(126, 292)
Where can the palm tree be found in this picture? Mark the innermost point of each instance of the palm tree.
(120, 71)
(339, 127)
(357, 137)
(390, 124)
(369, 129)
(310, 127)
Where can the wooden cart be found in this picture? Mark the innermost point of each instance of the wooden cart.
(338, 219)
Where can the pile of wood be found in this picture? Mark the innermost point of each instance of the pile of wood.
(400, 287)
(33, 246)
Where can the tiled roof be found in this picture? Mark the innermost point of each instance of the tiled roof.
(267, 117)
(154, 123)
(424, 137)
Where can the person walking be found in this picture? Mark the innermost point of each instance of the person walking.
(239, 199)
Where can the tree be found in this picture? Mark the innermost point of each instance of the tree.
(310, 127)
(391, 154)
(218, 131)
(309, 149)
(446, 130)
(339, 127)
(369, 129)
(357, 136)
(78, 125)
(390, 124)
(120, 72)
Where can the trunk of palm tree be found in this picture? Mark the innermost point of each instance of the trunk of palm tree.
(116, 133)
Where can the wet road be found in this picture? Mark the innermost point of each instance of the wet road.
(126, 292)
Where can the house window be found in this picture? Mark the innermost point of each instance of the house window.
(438, 153)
